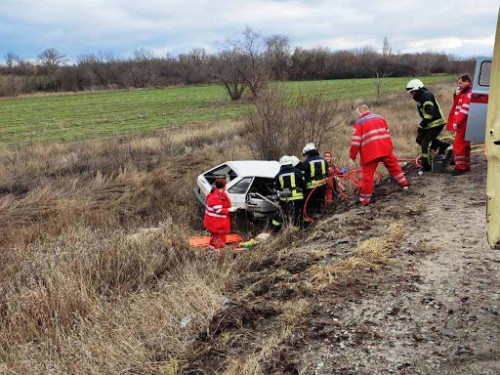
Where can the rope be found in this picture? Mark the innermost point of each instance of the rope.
(354, 177)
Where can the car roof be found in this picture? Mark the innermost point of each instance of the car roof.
(256, 168)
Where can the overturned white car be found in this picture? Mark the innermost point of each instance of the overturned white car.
(250, 185)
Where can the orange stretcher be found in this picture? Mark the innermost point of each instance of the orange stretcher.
(205, 240)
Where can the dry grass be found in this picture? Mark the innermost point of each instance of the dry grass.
(80, 293)
(370, 254)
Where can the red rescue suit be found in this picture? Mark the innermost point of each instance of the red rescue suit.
(458, 115)
(372, 139)
(217, 219)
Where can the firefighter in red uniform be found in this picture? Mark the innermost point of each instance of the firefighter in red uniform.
(457, 122)
(217, 219)
(372, 139)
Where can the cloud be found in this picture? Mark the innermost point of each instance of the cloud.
(172, 26)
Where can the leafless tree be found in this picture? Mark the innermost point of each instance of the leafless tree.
(102, 65)
(11, 59)
(192, 67)
(380, 77)
(50, 60)
(386, 48)
(277, 56)
(282, 123)
(247, 49)
(138, 72)
(226, 71)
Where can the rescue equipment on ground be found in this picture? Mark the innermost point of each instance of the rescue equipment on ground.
(203, 241)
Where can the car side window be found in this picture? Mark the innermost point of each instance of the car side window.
(241, 187)
(222, 171)
(485, 74)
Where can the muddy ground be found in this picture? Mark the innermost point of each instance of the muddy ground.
(432, 309)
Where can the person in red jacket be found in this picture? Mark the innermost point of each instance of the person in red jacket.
(457, 122)
(333, 170)
(217, 219)
(372, 140)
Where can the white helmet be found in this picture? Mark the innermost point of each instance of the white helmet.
(308, 147)
(414, 84)
(295, 160)
(285, 160)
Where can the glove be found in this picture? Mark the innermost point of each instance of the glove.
(352, 162)
(455, 126)
(232, 209)
(343, 170)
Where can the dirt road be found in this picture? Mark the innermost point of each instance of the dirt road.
(438, 311)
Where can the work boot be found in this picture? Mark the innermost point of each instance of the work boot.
(457, 172)
(448, 153)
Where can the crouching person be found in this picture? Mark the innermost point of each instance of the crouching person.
(372, 140)
(217, 219)
(289, 185)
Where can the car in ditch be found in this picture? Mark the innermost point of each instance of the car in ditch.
(250, 185)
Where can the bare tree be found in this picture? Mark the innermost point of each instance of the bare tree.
(380, 77)
(226, 71)
(193, 66)
(251, 68)
(386, 48)
(103, 67)
(11, 59)
(50, 60)
(278, 56)
(282, 124)
(138, 72)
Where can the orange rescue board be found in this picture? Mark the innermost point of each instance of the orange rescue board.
(205, 240)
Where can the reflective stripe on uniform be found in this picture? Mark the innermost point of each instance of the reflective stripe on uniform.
(371, 132)
(313, 167)
(207, 212)
(296, 195)
(425, 114)
(365, 198)
(375, 138)
(217, 208)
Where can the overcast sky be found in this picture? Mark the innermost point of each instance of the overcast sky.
(461, 27)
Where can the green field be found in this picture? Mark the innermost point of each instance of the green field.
(62, 118)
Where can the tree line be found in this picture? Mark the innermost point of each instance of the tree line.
(244, 64)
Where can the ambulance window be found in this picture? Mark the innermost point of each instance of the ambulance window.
(485, 73)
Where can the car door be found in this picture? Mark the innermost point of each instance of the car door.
(476, 122)
(238, 189)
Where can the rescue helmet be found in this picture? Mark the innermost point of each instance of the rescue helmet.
(295, 160)
(308, 147)
(414, 84)
(285, 160)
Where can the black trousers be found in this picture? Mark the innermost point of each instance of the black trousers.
(316, 200)
(291, 213)
(427, 139)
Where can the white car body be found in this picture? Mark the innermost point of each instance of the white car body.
(247, 180)
(476, 122)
